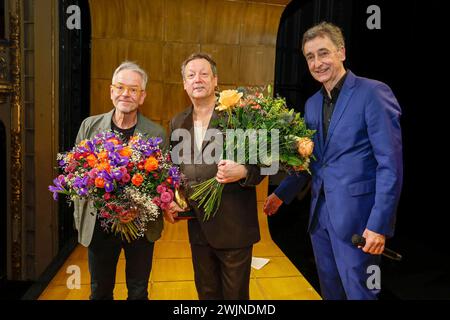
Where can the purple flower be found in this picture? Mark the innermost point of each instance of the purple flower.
(105, 175)
(55, 191)
(154, 142)
(82, 192)
(62, 180)
(91, 146)
(56, 188)
(117, 175)
(174, 173)
(117, 160)
(148, 152)
(80, 183)
(108, 135)
(109, 186)
(109, 146)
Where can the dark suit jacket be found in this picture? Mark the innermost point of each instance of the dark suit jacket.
(235, 224)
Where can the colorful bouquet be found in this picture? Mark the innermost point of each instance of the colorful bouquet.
(128, 183)
(245, 110)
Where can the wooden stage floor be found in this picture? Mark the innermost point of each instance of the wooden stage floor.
(172, 276)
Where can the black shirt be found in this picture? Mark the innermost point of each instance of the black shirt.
(126, 133)
(329, 103)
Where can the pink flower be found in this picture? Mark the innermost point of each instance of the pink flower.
(90, 182)
(70, 168)
(105, 214)
(123, 170)
(164, 205)
(157, 201)
(107, 196)
(125, 178)
(160, 189)
(166, 197)
(93, 173)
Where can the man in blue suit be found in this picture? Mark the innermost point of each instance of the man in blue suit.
(357, 174)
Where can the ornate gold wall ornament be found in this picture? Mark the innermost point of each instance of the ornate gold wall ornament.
(16, 144)
(3, 65)
(5, 87)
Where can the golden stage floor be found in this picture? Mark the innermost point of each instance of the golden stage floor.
(172, 276)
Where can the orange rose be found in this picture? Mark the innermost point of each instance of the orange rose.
(125, 152)
(103, 155)
(104, 165)
(305, 147)
(99, 182)
(137, 179)
(151, 164)
(92, 160)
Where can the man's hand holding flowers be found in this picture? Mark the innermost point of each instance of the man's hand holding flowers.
(230, 171)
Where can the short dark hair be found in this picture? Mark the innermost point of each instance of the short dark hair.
(199, 55)
(325, 29)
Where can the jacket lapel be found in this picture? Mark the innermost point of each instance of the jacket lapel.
(341, 105)
(206, 142)
(188, 124)
(140, 125)
(105, 123)
(319, 131)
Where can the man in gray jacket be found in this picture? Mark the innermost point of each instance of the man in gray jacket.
(127, 94)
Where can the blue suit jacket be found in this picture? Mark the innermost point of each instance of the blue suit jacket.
(359, 164)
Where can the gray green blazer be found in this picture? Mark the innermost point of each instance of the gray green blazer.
(84, 212)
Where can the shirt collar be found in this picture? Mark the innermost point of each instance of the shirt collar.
(335, 91)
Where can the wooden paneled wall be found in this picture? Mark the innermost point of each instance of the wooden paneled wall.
(160, 34)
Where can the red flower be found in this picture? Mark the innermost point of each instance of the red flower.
(137, 179)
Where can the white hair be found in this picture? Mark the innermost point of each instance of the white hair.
(132, 66)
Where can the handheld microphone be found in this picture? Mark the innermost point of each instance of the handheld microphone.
(357, 240)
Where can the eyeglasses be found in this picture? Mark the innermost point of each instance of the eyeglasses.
(120, 88)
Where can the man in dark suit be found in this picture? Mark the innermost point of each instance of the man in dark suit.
(357, 174)
(222, 246)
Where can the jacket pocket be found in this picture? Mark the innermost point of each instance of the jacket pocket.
(362, 187)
